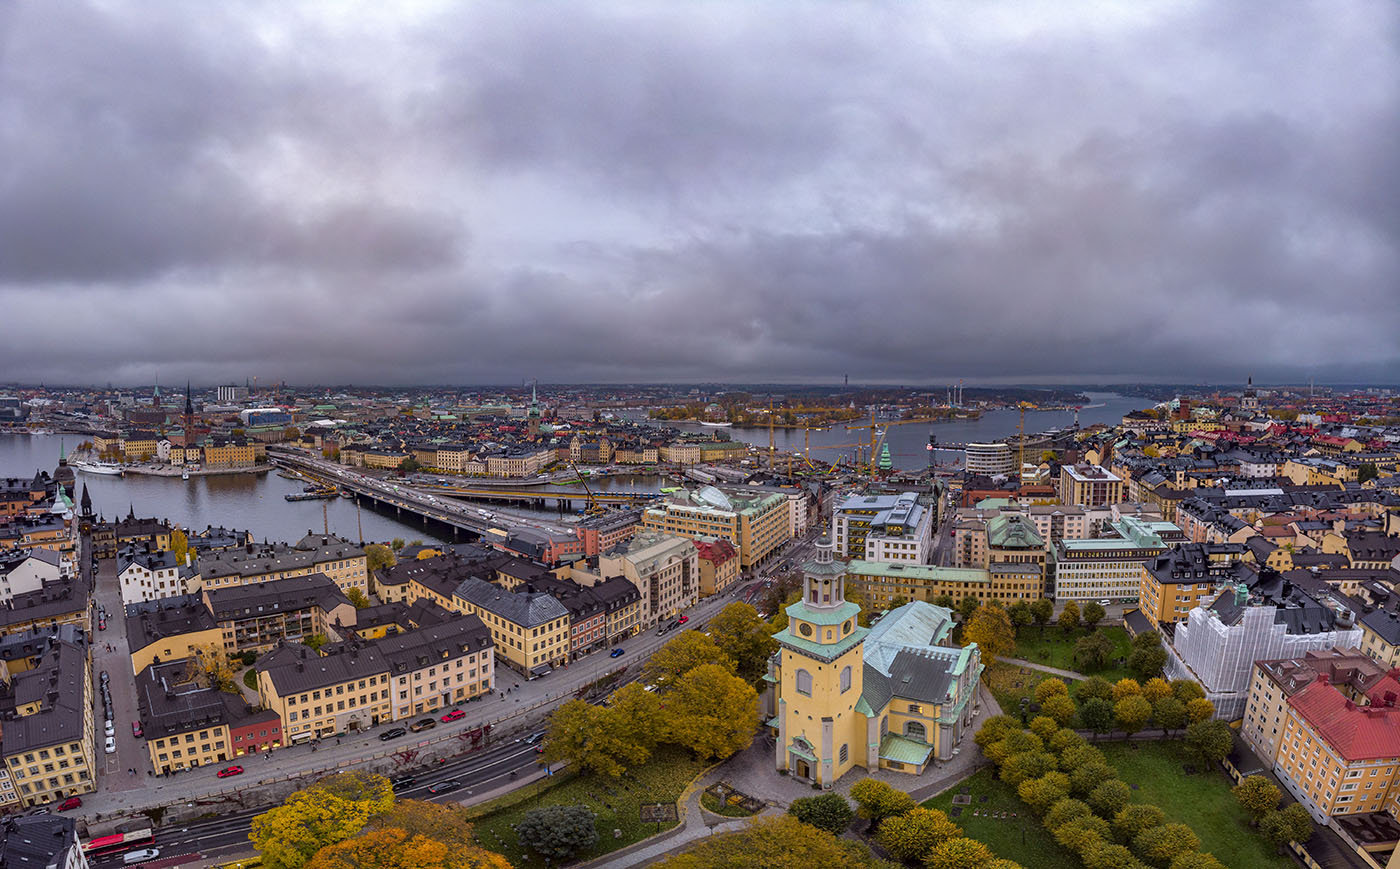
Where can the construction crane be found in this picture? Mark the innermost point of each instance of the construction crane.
(1021, 428)
(593, 505)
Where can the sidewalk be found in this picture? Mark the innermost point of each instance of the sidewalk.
(1063, 674)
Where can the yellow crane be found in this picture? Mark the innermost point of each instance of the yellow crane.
(1021, 428)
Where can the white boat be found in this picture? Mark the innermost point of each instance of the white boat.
(716, 424)
(185, 474)
(98, 468)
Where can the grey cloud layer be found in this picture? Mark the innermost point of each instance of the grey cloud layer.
(699, 191)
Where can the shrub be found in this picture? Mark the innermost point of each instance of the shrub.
(828, 812)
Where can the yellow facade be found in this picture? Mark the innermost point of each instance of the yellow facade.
(139, 449)
(175, 647)
(880, 583)
(361, 698)
(194, 748)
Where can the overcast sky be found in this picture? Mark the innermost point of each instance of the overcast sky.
(772, 191)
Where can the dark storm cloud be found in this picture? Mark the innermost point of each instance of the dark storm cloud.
(698, 191)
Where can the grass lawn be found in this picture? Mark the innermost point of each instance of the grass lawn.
(615, 802)
(1202, 801)
(1008, 684)
(1056, 649)
(1034, 850)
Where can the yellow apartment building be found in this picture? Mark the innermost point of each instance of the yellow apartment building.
(530, 630)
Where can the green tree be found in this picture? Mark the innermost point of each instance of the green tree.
(990, 628)
(773, 843)
(1147, 640)
(1094, 686)
(1106, 855)
(594, 738)
(1257, 796)
(378, 556)
(712, 712)
(1199, 709)
(1060, 708)
(1132, 713)
(1092, 614)
(357, 598)
(995, 729)
(1126, 688)
(1020, 614)
(946, 601)
(1155, 688)
(1367, 472)
(1097, 715)
(1085, 777)
(688, 650)
(314, 642)
(396, 544)
(877, 800)
(741, 635)
(558, 832)
(1134, 819)
(1081, 834)
(1092, 652)
(1211, 740)
(1026, 764)
(1069, 618)
(967, 606)
(1044, 726)
(828, 812)
(1042, 610)
(1161, 845)
(914, 834)
(1289, 824)
(1147, 663)
(1083, 754)
(640, 712)
(1042, 793)
(1049, 688)
(1065, 739)
(1065, 811)
(1169, 714)
(1015, 742)
(412, 835)
(1110, 798)
(960, 853)
(1186, 690)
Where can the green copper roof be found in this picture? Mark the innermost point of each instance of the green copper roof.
(819, 616)
(824, 651)
(1012, 531)
(920, 572)
(902, 750)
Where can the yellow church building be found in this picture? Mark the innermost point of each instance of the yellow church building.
(842, 696)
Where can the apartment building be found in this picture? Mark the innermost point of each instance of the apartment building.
(881, 583)
(48, 727)
(188, 723)
(665, 568)
(333, 557)
(145, 574)
(604, 531)
(1089, 486)
(883, 528)
(1056, 522)
(258, 617)
(169, 629)
(24, 571)
(343, 688)
(1179, 580)
(41, 841)
(719, 565)
(1328, 725)
(1107, 567)
(530, 629)
(754, 520)
(438, 666)
(990, 459)
(57, 603)
(521, 463)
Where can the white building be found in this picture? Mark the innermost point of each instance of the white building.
(1268, 620)
(991, 459)
(27, 570)
(1106, 568)
(145, 575)
(886, 528)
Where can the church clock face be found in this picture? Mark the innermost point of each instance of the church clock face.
(804, 629)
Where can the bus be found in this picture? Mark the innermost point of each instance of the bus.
(118, 843)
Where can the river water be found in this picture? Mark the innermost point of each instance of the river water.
(256, 502)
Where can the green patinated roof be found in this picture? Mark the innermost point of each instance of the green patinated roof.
(903, 750)
(775, 721)
(924, 572)
(993, 504)
(818, 616)
(1012, 531)
(824, 651)
(864, 708)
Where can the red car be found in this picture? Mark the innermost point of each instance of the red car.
(136, 729)
(682, 620)
(230, 770)
(454, 715)
(70, 803)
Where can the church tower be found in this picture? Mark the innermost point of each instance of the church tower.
(819, 676)
(534, 413)
(188, 419)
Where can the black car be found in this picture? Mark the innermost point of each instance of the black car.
(444, 787)
(402, 783)
(392, 733)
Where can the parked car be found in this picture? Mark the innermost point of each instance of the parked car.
(110, 746)
(444, 787)
(1105, 602)
(230, 771)
(454, 715)
(682, 620)
(392, 733)
(423, 724)
(108, 729)
(617, 653)
(136, 729)
(70, 803)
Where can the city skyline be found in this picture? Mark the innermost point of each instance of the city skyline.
(1024, 193)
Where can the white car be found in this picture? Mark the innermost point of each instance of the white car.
(110, 746)
(109, 729)
(140, 856)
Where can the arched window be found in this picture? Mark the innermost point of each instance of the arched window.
(804, 683)
(915, 730)
(845, 679)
